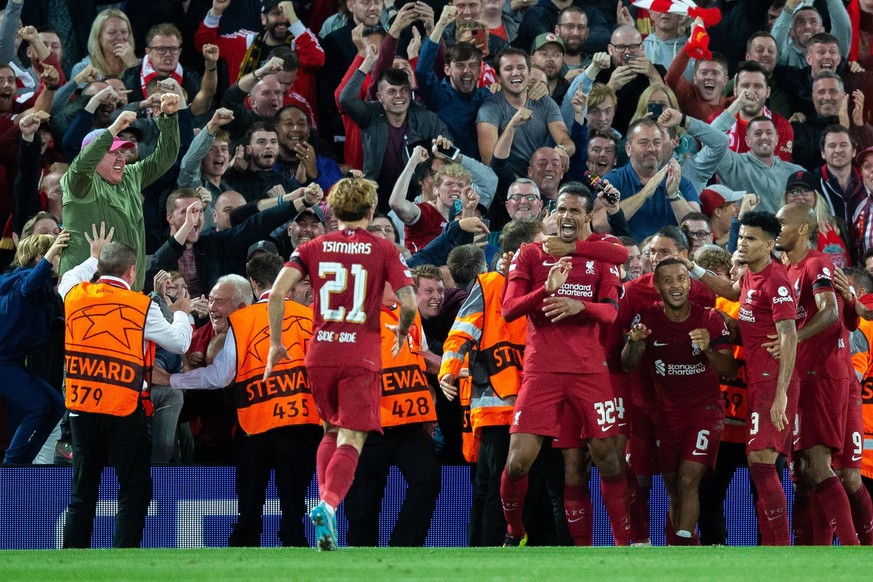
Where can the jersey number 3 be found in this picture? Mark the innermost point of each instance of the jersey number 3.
(338, 276)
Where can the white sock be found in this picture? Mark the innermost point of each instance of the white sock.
(332, 510)
(683, 533)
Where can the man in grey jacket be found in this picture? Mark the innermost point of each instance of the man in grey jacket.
(387, 125)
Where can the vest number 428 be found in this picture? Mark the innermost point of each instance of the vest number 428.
(339, 275)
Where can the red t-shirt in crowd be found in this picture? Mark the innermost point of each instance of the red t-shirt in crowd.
(429, 225)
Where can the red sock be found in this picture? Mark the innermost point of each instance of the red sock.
(670, 532)
(512, 492)
(326, 449)
(614, 491)
(822, 532)
(639, 507)
(862, 515)
(340, 474)
(579, 512)
(773, 510)
(801, 523)
(835, 506)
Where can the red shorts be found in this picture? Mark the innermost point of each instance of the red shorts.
(762, 433)
(850, 455)
(570, 407)
(691, 436)
(642, 444)
(621, 396)
(822, 412)
(347, 397)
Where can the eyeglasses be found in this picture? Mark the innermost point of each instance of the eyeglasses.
(799, 193)
(699, 233)
(631, 48)
(163, 50)
(574, 26)
(520, 197)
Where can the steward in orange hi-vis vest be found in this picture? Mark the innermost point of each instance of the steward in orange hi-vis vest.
(406, 396)
(734, 389)
(863, 364)
(106, 361)
(285, 398)
(497, 352)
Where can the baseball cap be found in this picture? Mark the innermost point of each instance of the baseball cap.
(264, 246)
(314, 210)
(267, 5)
(116, 143)
(547, 38)
(804, 179)
(716, 195)
(862, 155)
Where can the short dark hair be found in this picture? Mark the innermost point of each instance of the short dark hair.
(828, 75)
(259, 126)
(571, 9)
(290, 61)
(394, 77)
(512, 52)
(863, 279)
(464, 263)
(764, 220)
(751, 67)
(581, 190)
(835, 128)
(518, 232)
(115, 259)
(823, 38)
(628, 241)
(263, 268)
(760, 119)
(667, 262)
(463, 51)
(759, 34)
(178, 194)
(605, 135)
(676, 234)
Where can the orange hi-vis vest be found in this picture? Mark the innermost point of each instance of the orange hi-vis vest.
(499, 352)
(734, 389)
(406, 396)
(863, 364)
(107, 360)
(285, 398)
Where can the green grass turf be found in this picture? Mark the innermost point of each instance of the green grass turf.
(472, 564)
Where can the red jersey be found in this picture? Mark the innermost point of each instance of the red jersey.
(571, 345)
(430, 224)
(765, 298)
(640, 294)
(737, 134)
(826, 353)
(684, 378)
(348, 270)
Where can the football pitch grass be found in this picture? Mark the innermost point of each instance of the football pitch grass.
(373, 564)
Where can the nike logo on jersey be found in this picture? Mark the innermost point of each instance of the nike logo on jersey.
(548, 264)
(699, 453)
(659, 344)
(856, 458)
(571, 520)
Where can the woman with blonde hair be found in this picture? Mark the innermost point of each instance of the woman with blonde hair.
(26, 312)
(662, 97)
(110, 45)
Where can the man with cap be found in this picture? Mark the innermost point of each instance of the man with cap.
(547, 53)
(101, 187)
(262, 246)
(719, 203)
(306, 226)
